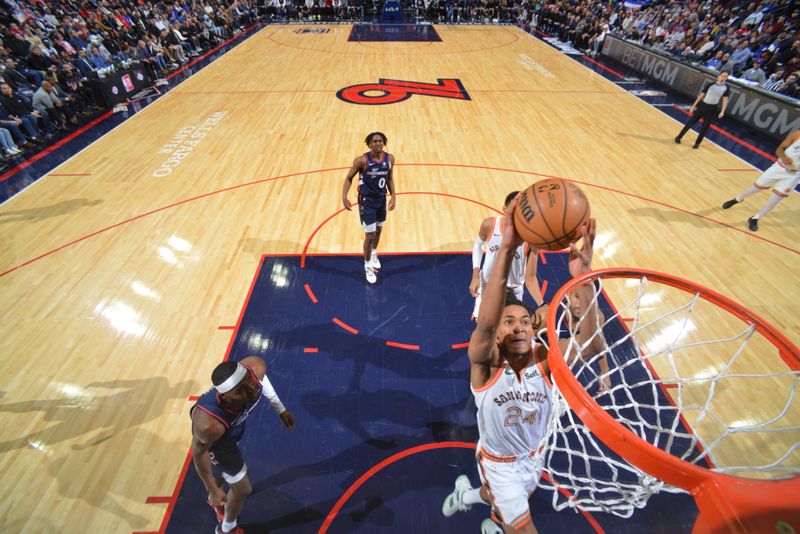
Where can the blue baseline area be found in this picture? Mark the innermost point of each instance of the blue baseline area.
(359, 401)
(394, 33)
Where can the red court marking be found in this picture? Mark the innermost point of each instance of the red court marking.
(36, 157)
(200, 58)
(194, 397)
(344, 325)
(543, 290)
(311, 349)
(731, 136)
(67, 174)
(323, 223)
(310, 293)
(740, 170)
(750, 235)
(626, 319)
(378, 467)
(589, 517)
(402, 345)
(163, 208)
(670, 385)
(612, 71)
(225, 327)
(460, 345)
(158, 500)
(174, 498)
(98, 120)
(176, 490)
(399, 456)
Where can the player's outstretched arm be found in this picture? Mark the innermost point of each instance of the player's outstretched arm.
(259, 367)
(483, 339)
(205, 431)
(580, 262)
(358, 164)
(390, 184)
(477, 254)
(531, 281)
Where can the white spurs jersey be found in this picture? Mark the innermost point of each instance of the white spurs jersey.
(513, 411)
(516, 277)
(793, 151)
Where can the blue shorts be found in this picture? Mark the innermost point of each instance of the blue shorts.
(372, 211)
(227, 458)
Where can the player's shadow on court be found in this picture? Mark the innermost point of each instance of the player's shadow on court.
(63, 471)
(670, 215)
(388, 268)
(94, 414)
(371, 505)
(46, 212)
(355, 410)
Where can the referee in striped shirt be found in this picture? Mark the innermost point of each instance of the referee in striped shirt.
(707, 107)
(774, 82)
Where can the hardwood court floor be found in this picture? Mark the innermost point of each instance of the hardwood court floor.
(115, 284)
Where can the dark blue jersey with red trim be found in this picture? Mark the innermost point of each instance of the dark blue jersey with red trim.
(372, 182)
(233, 422)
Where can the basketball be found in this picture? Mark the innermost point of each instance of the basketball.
(550, 213)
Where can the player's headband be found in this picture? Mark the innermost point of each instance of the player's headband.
(232, 380)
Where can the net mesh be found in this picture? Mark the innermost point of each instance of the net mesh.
(680, 373)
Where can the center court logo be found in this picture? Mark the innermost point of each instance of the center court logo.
(388, 91)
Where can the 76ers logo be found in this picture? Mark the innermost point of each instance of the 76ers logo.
(388, 91)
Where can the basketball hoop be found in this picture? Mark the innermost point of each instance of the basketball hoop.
(665, 423)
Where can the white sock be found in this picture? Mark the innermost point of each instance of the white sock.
(771, 203)
(752, 190)
(374, 252)
(473, 496)
(227, 527)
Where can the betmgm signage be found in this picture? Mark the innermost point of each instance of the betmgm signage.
(769, 113)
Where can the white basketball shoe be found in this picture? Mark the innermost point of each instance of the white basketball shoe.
(370, 272)
(374, 261)
(455, 501)
(490, 527)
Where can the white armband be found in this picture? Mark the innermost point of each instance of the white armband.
(269, 392)
(477, 253)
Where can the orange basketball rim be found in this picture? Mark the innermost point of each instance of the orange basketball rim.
(726, 503)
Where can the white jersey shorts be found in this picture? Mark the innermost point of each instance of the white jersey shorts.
(781, 180)
(510, 483)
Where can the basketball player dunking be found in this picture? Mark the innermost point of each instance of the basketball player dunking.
(375, 168)
(523, 266)
(218, 420)
(509, 378)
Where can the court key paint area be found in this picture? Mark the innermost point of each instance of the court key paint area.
(382, 431)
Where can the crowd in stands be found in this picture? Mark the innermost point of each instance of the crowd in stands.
(54, 55)
(755, 42)
(54, 52)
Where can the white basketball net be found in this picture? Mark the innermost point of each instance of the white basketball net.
(658, 394)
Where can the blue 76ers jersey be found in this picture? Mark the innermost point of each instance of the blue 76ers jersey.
(233, 422)
(372, 182)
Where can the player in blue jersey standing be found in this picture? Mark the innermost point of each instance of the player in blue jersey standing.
(375, 168)
(218, 421)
